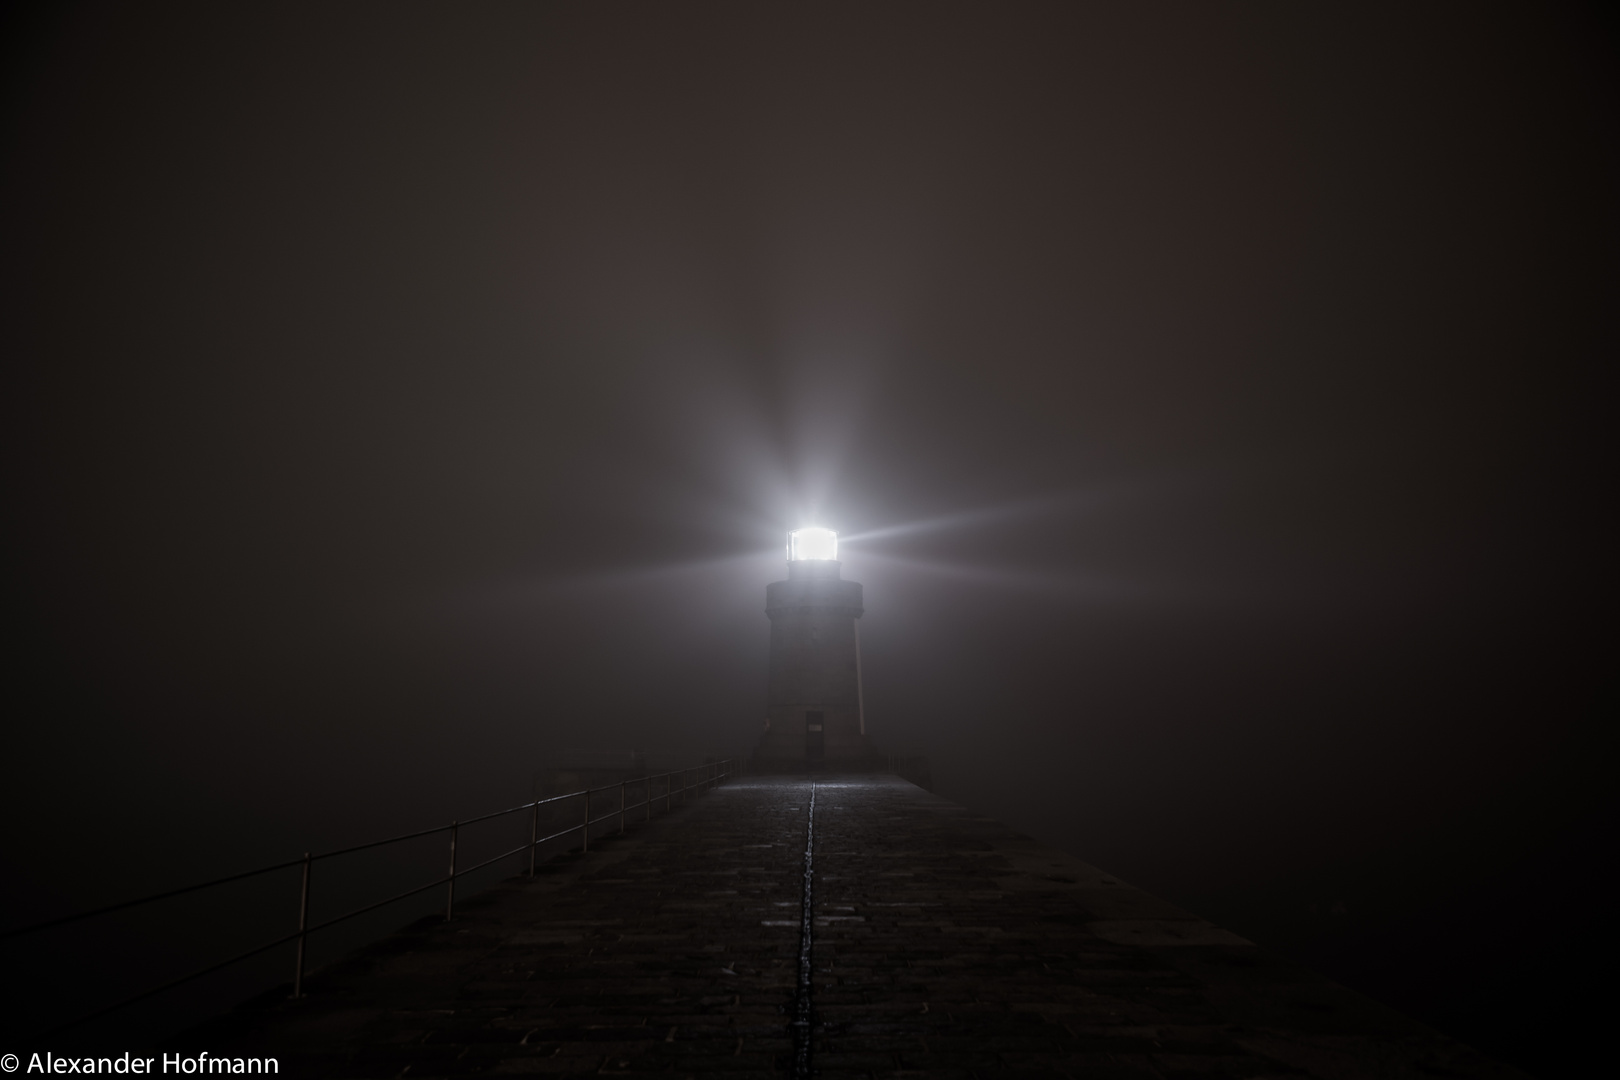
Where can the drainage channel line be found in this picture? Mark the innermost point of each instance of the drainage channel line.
(801, 1002)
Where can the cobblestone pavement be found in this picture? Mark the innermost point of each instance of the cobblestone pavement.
(944, 945)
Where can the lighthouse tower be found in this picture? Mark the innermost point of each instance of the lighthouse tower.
(813, 708)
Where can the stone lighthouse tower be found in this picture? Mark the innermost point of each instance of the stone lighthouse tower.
(813, 708)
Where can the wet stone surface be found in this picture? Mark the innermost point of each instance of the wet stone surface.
(944, 945)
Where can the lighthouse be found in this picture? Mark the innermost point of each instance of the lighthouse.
(813, 703)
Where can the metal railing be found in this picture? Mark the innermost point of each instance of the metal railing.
(697, 779)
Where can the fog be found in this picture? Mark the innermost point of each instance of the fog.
(1207, 397)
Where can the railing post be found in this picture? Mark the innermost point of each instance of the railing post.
(585, 829)
(450, 896)
(534, 835)
(648, 804)
(303, 923)
(621, 807)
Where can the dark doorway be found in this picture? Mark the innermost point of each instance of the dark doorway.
(815, 744)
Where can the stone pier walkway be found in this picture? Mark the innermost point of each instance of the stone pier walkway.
(944, 944)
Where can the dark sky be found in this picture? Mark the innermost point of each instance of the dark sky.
(1209, 396)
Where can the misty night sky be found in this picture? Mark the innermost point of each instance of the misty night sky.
(1209, 396)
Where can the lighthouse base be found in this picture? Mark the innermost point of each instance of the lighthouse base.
(800, 738)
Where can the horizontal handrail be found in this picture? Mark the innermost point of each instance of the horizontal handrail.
(48, 923)
(76, 916)
(710, 773)
(374, 907)
(172, 983)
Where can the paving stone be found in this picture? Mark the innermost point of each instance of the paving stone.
(945, 945)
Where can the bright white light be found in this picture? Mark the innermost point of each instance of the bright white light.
(812, 544)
